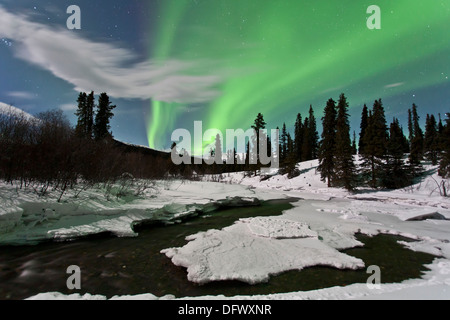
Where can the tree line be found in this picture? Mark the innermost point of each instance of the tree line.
(47, 151)
(387, 157)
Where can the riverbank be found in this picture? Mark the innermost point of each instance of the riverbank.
(331, 219)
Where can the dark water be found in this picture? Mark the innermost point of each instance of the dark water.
(119, 266)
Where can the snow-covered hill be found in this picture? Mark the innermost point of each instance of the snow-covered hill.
(11, 110)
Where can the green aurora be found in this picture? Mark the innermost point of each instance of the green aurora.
(279, 56)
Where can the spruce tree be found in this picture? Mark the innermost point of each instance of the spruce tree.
(405, 142)
(291, 159)
(90, 105)
(310, 137)
(258, 125)
(306, 152)
(85, 114)
(81, 113)
(444, 166)
(313, 134)
(440, 135)
(410, 128)
(103, 117)
(396, 174)
(416, 141)
(327, 144)
(283, 144)
(431, 140)
(363, 127)
(375, 139)
(344, 172)
(298, 137)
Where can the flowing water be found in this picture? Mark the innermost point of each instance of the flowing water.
(128, 266)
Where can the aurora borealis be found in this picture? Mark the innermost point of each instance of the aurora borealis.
(278, 57)
(173, 62)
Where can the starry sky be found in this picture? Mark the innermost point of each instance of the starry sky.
(168, 63)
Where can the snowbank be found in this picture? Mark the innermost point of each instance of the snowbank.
(434, 285)
(278, 228)
(26, 218)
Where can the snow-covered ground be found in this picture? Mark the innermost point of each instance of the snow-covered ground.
(251, 250)
(25, 217)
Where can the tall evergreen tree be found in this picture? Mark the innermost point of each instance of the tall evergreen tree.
(363, 127)
(328, 143)
(85, 114)
(444, 166)
(396, 174)
(405, 142)
(431, 140)
(310, 139)
(103, 117)
(290, 163)
(410, 128)
(416, 136)
(313, 134)
(81, 113)
(306, 152)
(344, 172)
(283, 144)
(375, 139)
(298, 137)
(440, 135)
(258, 124)
(90, 105)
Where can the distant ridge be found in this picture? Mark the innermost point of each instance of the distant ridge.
(128, 147)
(11, 110)
(147, 151)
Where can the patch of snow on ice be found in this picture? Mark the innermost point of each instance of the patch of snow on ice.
(278, 228)
(236, 253)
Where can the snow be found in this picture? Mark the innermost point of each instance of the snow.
(252, 258)
(60, 296)
(11, 110)
(434, 285)
(25, 217)
(252, 250)
(278, 228)
(327, 216)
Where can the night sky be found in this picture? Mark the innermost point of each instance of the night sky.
(167, 63)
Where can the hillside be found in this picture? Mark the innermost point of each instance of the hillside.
(146, 151)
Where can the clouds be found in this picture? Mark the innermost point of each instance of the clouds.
(103, 67)
(21, 95)
(394, 85)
